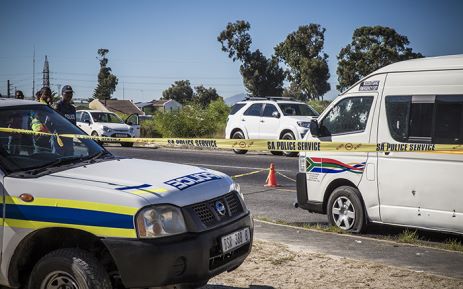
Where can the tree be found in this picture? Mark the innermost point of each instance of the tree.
(180, 91)
(372, 47)
(261, 75)
(107, 81)
(203, 96)
(302, 52)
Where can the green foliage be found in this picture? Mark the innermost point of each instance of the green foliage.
(107, 81)
(319, 105)
(203, 96)
(262, 76)
(372, 47)
(302, 52)
(180, 91)
(193, 120)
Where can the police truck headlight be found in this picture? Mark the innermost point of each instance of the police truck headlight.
(236, 187)
(131, 130)
(106, 129)
(303, 124)
(160, 221)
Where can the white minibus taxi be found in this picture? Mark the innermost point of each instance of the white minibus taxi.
(411, 102)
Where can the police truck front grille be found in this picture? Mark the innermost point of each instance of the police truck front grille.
(205, 214)
(208, 215)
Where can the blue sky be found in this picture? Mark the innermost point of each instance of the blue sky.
(154, 43)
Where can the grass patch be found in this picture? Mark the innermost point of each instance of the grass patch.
(408, 237)
(453, 245)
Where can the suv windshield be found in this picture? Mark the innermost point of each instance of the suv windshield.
(106, 117)
(297, 109)
(24, 152)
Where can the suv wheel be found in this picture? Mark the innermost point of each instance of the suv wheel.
(289, 136)
(239, 135)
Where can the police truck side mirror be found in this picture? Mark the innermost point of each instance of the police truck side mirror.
(314, 128)
(276, 114)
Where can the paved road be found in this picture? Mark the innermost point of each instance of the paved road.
(275, 204)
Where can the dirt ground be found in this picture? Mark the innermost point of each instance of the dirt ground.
(274, 265)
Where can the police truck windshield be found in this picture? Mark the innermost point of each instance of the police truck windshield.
(23, 152)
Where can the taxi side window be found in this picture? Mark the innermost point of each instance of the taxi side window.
(254, 110)
(426, 119)
(350, 115)
(86, 117)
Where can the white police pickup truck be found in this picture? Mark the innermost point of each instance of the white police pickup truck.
(75, 216)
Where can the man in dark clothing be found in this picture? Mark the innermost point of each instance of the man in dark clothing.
(64, 106)
(66, 109)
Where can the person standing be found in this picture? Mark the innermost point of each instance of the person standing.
(64, 106)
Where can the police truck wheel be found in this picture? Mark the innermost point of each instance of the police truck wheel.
(239, 135)
(276, 153)
(69, 269)
(289, 136)
(345, 210)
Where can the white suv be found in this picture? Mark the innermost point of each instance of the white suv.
(102, 123)
(269, 118)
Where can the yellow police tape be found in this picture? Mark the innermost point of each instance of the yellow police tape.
(263, 145)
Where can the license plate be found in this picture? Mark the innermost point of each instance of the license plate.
(235, 240)
(120, 135)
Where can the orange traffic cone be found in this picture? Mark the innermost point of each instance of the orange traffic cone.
(272, 177)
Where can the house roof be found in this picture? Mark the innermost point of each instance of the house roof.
(122, 106)
(160, 102)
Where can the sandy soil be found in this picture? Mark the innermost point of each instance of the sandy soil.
(274, 265)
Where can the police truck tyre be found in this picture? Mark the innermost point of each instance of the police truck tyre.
(239, 135)
(345, 210)
(289, 136)
(276, 153)
(69, 268)
(94, 133)
(127, 144)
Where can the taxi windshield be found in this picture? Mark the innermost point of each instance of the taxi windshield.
(23, 152)
(297, 109)
(106, 117)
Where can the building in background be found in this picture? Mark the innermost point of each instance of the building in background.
(117, 106)
(151, 107)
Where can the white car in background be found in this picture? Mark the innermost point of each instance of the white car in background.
(269, 118)
(103, 123)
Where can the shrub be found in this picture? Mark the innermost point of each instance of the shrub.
(319, 105)
(193, 121)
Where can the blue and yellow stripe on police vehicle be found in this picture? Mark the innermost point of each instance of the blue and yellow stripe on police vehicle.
(104, 220)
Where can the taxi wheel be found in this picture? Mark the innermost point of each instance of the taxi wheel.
(94, 133)
(239, 135)
(70, 269)
(345, 210)
(289, 136)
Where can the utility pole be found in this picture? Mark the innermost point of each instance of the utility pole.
(123, 90)
(8, 88)
(33, 75)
